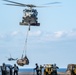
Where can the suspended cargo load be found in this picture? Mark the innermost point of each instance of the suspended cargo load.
(23, 61)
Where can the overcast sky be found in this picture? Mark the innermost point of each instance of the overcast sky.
(54, 41)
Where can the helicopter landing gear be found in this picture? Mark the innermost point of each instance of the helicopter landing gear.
(30, 20)
(32, 24)
(35, 24)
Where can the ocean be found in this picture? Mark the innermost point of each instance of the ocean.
(31, 70)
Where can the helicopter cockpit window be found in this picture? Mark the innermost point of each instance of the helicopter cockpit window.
(28, 10)
(30, 13)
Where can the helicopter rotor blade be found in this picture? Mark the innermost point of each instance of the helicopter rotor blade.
(18, 4)
(28, 5)
(52, 3)
(45, 6)
(15, 5)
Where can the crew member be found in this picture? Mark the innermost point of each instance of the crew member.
(41, 69)
(55, 69)
(10, 70)
(37, 69)
(15, 69)
(3, 69)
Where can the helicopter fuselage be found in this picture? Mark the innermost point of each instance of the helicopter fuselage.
(10, 59)
(30, 17)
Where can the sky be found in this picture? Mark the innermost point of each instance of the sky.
(54, 41)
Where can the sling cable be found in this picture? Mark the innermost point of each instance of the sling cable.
(24, 60)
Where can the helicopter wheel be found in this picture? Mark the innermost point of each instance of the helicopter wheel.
(22, 21)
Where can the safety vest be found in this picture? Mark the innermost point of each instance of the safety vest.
(15, 68)
(3, 68)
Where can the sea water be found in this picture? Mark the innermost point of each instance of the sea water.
(62, 69)
(32, 70)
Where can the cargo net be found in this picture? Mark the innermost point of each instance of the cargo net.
(24, 59)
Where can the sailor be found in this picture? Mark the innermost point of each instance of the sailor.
(55, 69)
(3, 69)
(15, 69)
(37, 69)
(41, 69)
(10, 70)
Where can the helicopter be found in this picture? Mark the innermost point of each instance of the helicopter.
(30, 14)
(11, 59)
